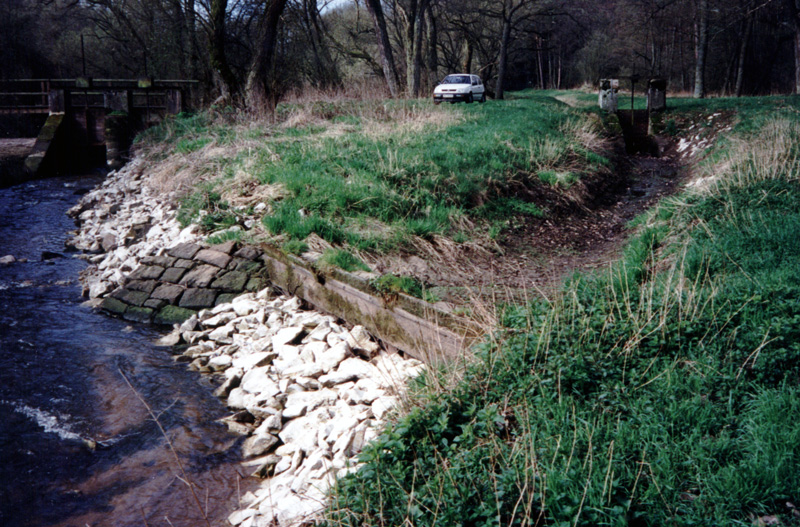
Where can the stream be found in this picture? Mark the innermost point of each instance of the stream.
(78, 446)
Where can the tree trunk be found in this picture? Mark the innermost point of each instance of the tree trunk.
(190, 16)
(503, 58)
(539, 46)
(466, 66)
(748, 29)
(412, 15)
(794, 13)
(432, 42)
(261, 91)
(384, 46)
(223, 76)
(702, 50)
(326, 73)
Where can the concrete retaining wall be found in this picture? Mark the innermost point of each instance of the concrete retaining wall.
(170, 288)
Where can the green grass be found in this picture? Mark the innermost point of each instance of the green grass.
(663, 392)
(295, 247)
(341, 259)
(374, 174)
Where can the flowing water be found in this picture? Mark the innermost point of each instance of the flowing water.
(78, 446)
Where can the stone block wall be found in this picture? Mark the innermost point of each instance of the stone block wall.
(171, 287)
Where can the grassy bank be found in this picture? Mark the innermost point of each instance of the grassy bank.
(662, 392)
(375, 175)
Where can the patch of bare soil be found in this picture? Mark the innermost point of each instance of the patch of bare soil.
(540, 254)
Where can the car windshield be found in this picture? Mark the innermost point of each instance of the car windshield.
(456, 79)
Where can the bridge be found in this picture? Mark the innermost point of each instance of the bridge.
(77, 122)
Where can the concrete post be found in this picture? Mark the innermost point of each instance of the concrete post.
(117, 101)
(117, 139)
(174, 102)
(57, 101)
(607, 98)
(657, 95)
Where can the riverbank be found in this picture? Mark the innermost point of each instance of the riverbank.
(306, 392)
(12, 160)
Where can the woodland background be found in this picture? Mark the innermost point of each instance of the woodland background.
(252, 53)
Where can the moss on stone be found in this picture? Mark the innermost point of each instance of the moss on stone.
(113, 306)
(173, 315)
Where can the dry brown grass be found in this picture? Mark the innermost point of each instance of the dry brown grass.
(770, 154)
(358, 90)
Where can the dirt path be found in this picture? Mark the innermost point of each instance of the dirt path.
(536, 257)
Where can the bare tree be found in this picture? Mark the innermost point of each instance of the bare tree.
(701, 50)
(221, 70)
(510, 13)
(384, 46)
(261, 91)
(412, 15)
(794, 16)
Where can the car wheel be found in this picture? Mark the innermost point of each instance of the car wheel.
(482, 99)
(469, 99)
(435, 101)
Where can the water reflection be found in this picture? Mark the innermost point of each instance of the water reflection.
(77, 447)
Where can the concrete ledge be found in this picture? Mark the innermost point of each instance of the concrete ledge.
(405, 322)
(42, 150)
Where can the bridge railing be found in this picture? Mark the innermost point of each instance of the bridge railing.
(48, 95)
(24, 96)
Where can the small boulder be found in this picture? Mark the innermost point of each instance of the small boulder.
(257, 445)
(286, 336)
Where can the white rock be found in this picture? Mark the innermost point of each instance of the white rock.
(300, 369)
(340, 426)
(99, 288)
(220, 362)
(291, 305)
(320, 332)
(236, 399)
(257, 445)
(221, 308)
(343, 443)
(331, 357)
(302, 431)
(239, 516)
(222, 334)
(286, 336)
(349, 370)
(288, 358)
(219, 320)
(382, 405)
(358, 338)
(190, 324)
(271, 424)
(307, 383)
(253, 360)
(283, 465)
(257, 381)
(245, 306)
(298, 404)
